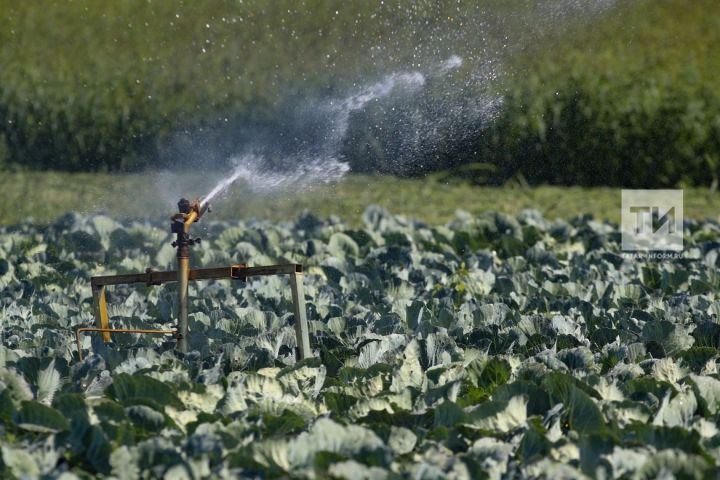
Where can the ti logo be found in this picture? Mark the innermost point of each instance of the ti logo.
(652, 220)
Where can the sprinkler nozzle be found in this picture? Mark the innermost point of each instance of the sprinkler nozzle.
(187, 207)
(189, 212)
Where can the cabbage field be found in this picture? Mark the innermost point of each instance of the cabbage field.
(494, 346)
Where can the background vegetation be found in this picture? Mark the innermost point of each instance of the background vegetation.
(636, 103)
(599, 100)
(630, 98)
(88, 86)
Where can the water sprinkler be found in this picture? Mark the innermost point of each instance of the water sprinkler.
(190, 212)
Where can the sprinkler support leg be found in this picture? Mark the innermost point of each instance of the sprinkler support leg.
(301, 325)
(181, 223)
(183, 279)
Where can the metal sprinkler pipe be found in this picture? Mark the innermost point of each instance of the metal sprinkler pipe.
(188, 213)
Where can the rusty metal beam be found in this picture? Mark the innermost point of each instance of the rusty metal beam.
(237, 272)
(286, 269)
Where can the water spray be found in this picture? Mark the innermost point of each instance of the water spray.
(188, 213)
(322, 163)
(320, 166)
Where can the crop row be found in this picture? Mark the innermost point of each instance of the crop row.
(490, 347)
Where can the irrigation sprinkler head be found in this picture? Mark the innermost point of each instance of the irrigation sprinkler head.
(189, 212)
(196, 206)
(184, 206)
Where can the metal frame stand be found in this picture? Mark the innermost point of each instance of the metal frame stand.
(234, 272)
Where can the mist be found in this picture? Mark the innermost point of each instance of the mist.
(403, 122)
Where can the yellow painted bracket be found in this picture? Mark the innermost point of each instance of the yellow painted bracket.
(101, 313)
